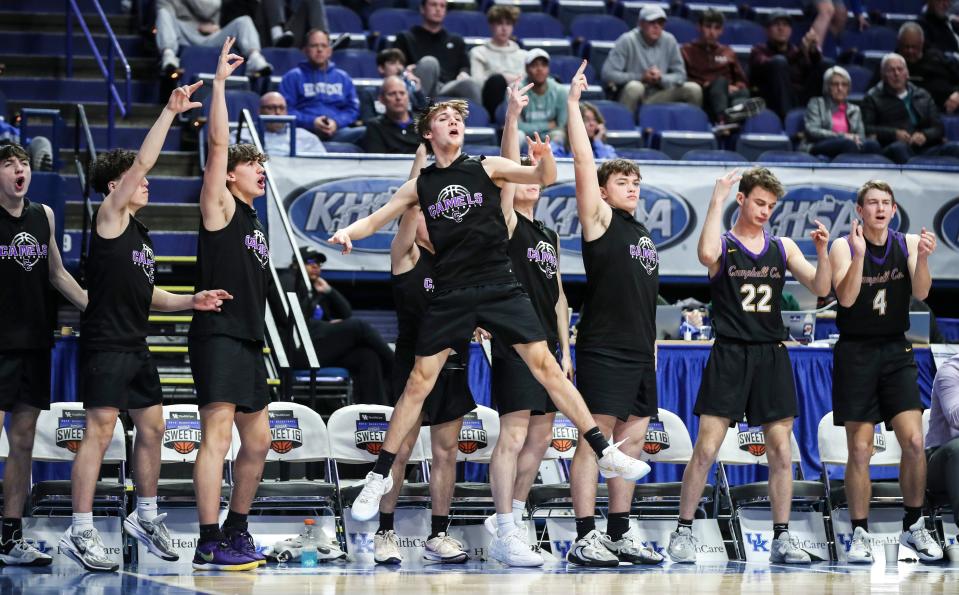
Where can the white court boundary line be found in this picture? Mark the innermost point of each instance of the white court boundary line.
(156, 579)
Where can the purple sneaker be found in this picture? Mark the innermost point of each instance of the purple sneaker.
(219, 555)
(242, 542)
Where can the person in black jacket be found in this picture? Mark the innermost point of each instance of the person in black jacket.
(394, 131)
(442, 63)
(940, 31)
(929, 68)
(902, 116)
(341, 340)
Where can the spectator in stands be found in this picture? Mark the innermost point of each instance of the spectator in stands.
(834, 124)
(929, 68)
(786, 75)
(196, 22)
(714, 67)
(499, 62)
(546, 111)
(320, 95)
(340, 339)
(281, 23)
(440, 56)
(942, 437)
(276, 135)
(393, 132)
(941, 31)
(902, 116)
(646, 65)
(595, 129)
(391, 62)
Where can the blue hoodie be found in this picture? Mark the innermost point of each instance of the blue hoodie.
(311, 92)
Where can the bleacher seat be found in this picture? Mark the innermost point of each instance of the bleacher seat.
(390, 21)
(880, 39)
(794, 125)
(762, 132)
(776, 156)
(488, 150)
(597, 27)
(742, 32)
(357, 63)
(861, 78)
(341, 19)
(564, 67)
(285, 59)
(934, 160)
(195, 59)
(714, 155)
(863, 158)
(642, 154)
(334, 147)
(568, 10)
(684, 31)
(951, 126)
(467, 23)
(675, 128)
(620, 128)
(537, 25)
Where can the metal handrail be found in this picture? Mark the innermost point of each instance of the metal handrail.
(106, 69)
(56, 125)
(82, 134)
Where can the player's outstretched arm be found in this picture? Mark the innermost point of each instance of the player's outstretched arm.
(817, 279)
(594, 213)
(516, 99)
(502, 170)
(403, 199)
(846, 260)
(920, 248)
(209, 300)
(710, 248)
(59, 277)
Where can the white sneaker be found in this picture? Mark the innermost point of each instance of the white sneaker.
(386, 548)
(860, 549)
(87, 549)
(491, 527)
(918, 539)
(367, 504)
(256, 65)
(616, 463)
(627, 550)
(784, 551)
(153, 534)
(592, 551)
(23, 552)
(682, 546)
(445, 549)
(513, 550)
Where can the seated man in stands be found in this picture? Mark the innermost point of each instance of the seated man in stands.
(546, 111)
(391, 62)
(902, 116)
(941, 31)
(440, 56)
(646, 65)
(394, 131)
(787, 75)
(499, 62)
(320, 95)
(197, 22)
(276, 135)
(341, 340)
(929, 68)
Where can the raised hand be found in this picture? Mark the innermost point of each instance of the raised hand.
(342, 238)
(725, 183)
(927, 243)
(579, 83)
(179, 101)
(228, 62)
(857, 240)
(536, 148)
(516, 99)
(210, 300)
(820, 237)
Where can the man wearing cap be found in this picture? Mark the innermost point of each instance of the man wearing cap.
(646, 65)
(787, 75)
(546, 111)
(341, 340)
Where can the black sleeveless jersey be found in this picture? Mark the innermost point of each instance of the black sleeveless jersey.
(534, 252)
(882, 307)
(465, 222)
(747, 291)
(622, 282)
(236, 259)
(120, 277)
(412, 292)
(24, 279)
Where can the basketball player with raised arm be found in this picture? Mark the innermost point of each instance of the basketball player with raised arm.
(615, 347)
(876, 271)
(465, 217)
(748, 372)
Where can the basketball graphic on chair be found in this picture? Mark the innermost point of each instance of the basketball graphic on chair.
(468, 447)
(563, 444)
(282, 446)
(184, 447)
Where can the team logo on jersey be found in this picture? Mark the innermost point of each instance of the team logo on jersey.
(285, 432)
(645, 252)
(182, 431)
(946, 224)
(657, 438)
(428, 284)
(370, 432)
(544, 256)
(70, 429)
(565, 435)
(751, 439)
(257, 244)
(454, 202)
(25, 249)
(878, 440)
(473, 436)
(145, 260)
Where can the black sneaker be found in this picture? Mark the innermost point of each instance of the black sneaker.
(744, 110)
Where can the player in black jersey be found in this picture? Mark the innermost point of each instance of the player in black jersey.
(616, 337)
(460, 197)
(226, 348)
(411, 264)
(526, 411)
(29, 263)
(748, 372)
(117, 372)
(876, 271)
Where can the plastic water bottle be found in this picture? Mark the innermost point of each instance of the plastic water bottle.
(310, 541)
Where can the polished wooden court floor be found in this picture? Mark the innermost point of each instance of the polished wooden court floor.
(478, 578)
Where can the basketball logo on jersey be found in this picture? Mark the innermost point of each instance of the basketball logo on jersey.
(285, 432)
(70, 429)
(428, 284)
(544, 256)
(182, 431)
(454, 202)
(370, 432)
(473, 435)
(25, 249)
(657, 438)
(565, 435)
(751, 439)
(145, 260)
(256, 243)
(645, 252)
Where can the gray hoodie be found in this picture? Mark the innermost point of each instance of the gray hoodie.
(632, 56)
(193, 11)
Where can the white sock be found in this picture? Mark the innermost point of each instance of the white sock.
(82, 521)
(504, 524)
(147, 508)
(518, 507)
(275, 32)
